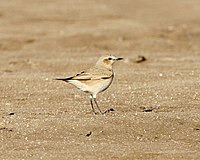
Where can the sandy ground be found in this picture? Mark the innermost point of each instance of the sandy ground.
(156, 102)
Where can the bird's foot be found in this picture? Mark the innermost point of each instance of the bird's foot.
(109, 110)
(96, 113)
(102, 113)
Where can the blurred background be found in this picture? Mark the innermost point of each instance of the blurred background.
(68, 26)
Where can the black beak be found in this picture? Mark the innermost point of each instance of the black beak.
(118, 59)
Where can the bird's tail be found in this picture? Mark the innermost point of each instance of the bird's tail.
(64, 79)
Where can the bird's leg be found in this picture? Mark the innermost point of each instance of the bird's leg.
(92, 104)
(97, 105)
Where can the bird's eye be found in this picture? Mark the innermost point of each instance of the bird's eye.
(109, 58)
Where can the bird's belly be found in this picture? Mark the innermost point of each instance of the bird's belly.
(100, 86)
(92, 86)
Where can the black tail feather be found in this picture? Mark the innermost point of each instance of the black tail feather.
(64, 79)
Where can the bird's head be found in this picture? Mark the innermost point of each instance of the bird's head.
(107, 61)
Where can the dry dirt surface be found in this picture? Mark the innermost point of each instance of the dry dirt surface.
(156, 102)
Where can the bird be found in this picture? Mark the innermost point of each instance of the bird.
(95, 80)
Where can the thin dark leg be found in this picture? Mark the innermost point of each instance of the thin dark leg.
(92, 106)
(97, 105)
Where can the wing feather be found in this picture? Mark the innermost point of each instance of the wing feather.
(91, 74)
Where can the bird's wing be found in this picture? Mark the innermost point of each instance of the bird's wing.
(82, 76)
(93, 74)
